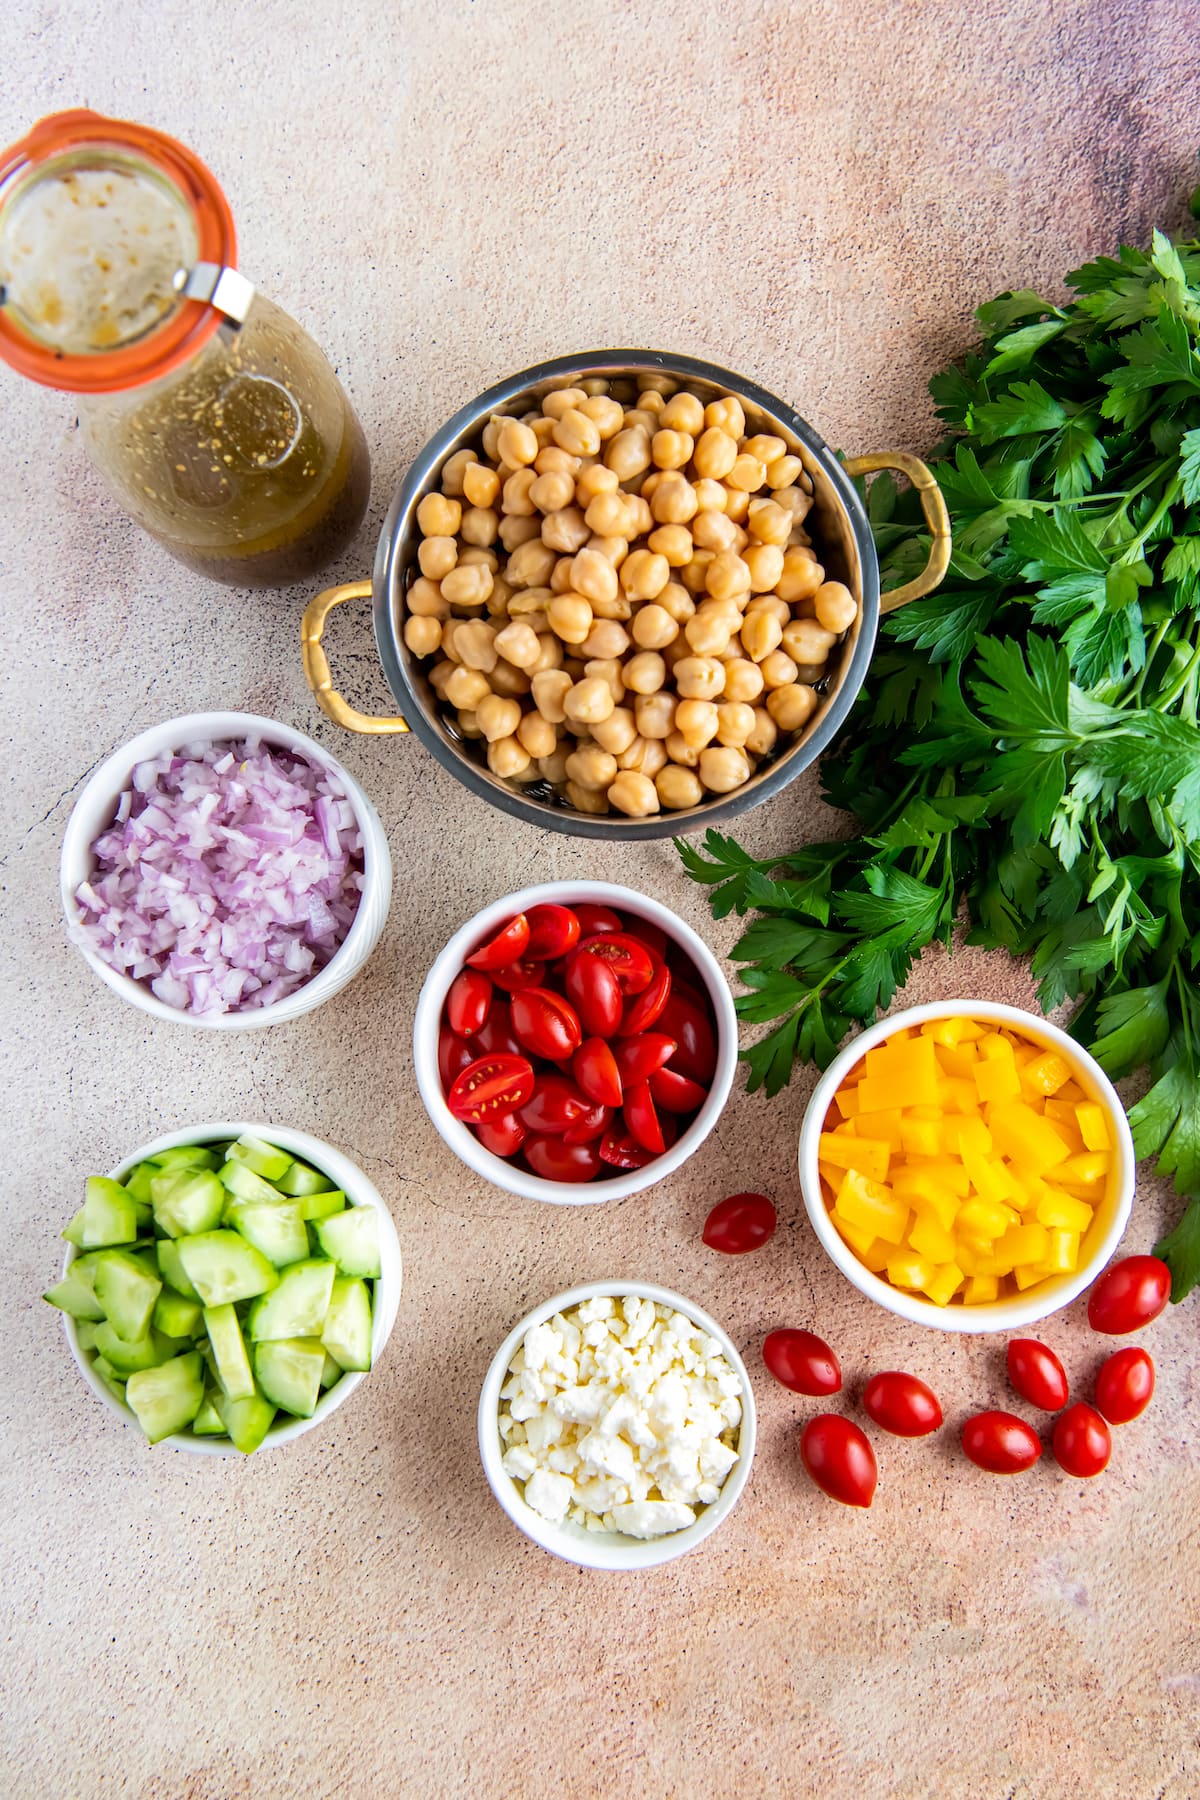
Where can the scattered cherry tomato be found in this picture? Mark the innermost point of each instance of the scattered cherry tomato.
(507, 945)
(489, 1086)
(1082, 1442)
(594, 919)
(902, 1404)
(638, 1058)
(496, 1034)
(1000, 1443)
(629, 961)
(503, 1135)
(546, 1023)
(1036, 1374)
(553, 930)
(468, 1002)
(675, 1093)
(454, 1053)
(621, 1151)
(592, 1124)
(1129, 1294)
(641, 1118)
(685, 1019)
(595, 1069)
(520, 974)
(740, 1223)
(802, 1361)
(1124, 1385)
(838, 1455)
(594, 991)
(645, 1008)
(556, 1160)
(554, 1104)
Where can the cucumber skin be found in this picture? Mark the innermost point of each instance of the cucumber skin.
(172, 1270)
(75, 1298)
(229, 1352)
(265, 1159)
(288, 1371)
(246, 1421)
(349, 1324)
(303, 1179)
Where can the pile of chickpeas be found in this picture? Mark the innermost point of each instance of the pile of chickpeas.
(622, 601)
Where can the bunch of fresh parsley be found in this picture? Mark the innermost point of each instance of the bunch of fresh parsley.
(1045, 700)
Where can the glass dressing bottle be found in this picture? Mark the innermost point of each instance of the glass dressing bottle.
(214, 419)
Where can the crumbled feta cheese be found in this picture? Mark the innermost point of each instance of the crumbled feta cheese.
(652, 1518)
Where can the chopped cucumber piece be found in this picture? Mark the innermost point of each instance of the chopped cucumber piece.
(263, 1158)
(297, 1307)
(222, 1266)
(71, 1295)
(208, 1421)
(85, 1334)
(277, 1230)
(351, 1238)
(289, 1373)
(137, 1182)
(171, 1269)
(229, 1351)
(188, 1156)
(176, 1317)
(246, 1421)
(109, 1377)
(301, 1178)
(108, 1216)
(127, 1291)
(142, 1353)
(167, 1398)
(187, 1201)
(238, 1178)
(331, 1371)
(347, 1333)
(322, 1205)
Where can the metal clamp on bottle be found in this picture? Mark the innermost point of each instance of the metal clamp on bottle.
(225, 290)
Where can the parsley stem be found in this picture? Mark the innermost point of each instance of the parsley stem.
(1172, 693)
(1135, 692)
(1169, 496)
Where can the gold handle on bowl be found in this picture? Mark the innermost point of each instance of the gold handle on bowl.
(319, 675)
(936, 517)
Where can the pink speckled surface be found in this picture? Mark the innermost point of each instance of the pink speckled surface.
(818, 196)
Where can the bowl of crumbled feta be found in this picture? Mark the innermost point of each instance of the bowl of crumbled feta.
(616, 1425)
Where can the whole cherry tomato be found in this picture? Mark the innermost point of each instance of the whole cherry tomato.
(503, 1135)
(490, 1086)
(508, 944)
(1082, 1442)
(839, 1457)
(1124, 1385)
(629, 960)
(546, 1023)
(675, 1093)
(1036, 1374)
(556, 1160)
(595, 1069)
(1129, 1294)
(592, 1124)
(902, 1404)
(496, 1034)
(454, 1053)
(520, 974)
(554, 1104)
(594, 919)
(468, 1002)
(640, 1057)
(685, 1019)
(740, 1223)
(645, 1008)
(621, 1151)
(802, 1361)
(594, 991)
(553, 930)
(1001, 1443)
(641, 1118)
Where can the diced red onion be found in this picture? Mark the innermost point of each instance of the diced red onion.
(230, 875)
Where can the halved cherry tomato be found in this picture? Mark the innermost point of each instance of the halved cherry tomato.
(546, 1023)
(556, 1160)
(593, 919)
(1036, 1374)
(503, 1135)
(838, 1455)
(1000, 1443)
(523, 973)
(645, 1008)
(640, 1057)
(653, 936)
(595, 992)
(902, 1404)
(802, 1361)
(1124, 1385)
(641, 1118)
(468, 1002)
(740, 1223)
(675, 1093)
(1129, 1295)
(594, 1123)
(507, 945)
(595, 1069)
(629, 961)
(553, 930)
(496, 1034)
(621, 1151)
(1082, 1442)
(685, 1019)
(490, 1086)
(554, 1104)
(454, 1053)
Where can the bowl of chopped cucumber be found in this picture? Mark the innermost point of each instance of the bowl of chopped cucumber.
(228, 1286)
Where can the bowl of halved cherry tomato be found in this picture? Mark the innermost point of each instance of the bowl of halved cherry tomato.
(575, 1042)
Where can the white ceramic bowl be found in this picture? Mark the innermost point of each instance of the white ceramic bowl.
(1103, 1235)
(94, 812)
(385, 1292)
(609, 1549)
(463, 1141)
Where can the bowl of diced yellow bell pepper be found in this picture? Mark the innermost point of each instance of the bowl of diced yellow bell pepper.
(967, 1165)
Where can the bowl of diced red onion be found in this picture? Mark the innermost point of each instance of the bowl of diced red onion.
(224, 871)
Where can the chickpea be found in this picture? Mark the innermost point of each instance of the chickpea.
(796, 503)
(791, 706)
(696, 721)
(713, 531)
(552, 491)
(439, 517)
(653, 627)
(675, 653)
(641, 418)
(747, 474)
(607, 514)
(437, 556)
(699, 677)
(518, 644)
(715, 453)
(711, 495)
(498, 599)
(769, 522)
(644, 574)
(726, 415)
(709, 631)
(565, 530)
(655, 714)
(727, 575)
(468, 724)
(671, 449)
(619, 609)
(784, 471)
(595, 479)
(588, 701)
(530, 565)
(617, 732)
(591, 767)
(439, 675)
(536, 735)
(765, 447)
(510, 681)
(554, 767)
(836, 606)
(550, 689)
(807, 641)
(735, 722)
(765, 734)
(587, 800)
(681, 752)
(645, 673)
(802, 575)
(515, 531)
(424, 600)
(765, 563)
(761, 633)
(423, 636)
(678, 788)
(737, 505)
(516, 443)
(634, 794)
(514, 498)
(672, 500)
(465, 688)
(593, 575)
(609, 670)
(570, 617)
(575, 432)
(677, 603)
(481, 485)
(778, 669)
(614, 550)
(606, 415)
(674, 542)
(477, 557)
(639, 520)
(475, 645)
(628, 453)
(650, 400)
(645, 755)
(606, 639)
(507, 758)
(562, 400)
(468, 585)
(529, 603)
(453, 471)
(551, 654)
(772, 604)
(695, 576)
(683, 413)
(724, 768)
(542, 429)
(497, 718)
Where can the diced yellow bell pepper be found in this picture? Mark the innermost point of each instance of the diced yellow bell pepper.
(899, 1074)
(908, 1271)
(954, 1029)
(872, 1207)
(1093, 1125)
(991, 1178)
(1062, 1257)
(1028, 1243)
(881, 1125)
(930, 1239)
(871, 1155)
(1046, 1074)
(985, 1219)
(847, 1101)
(1086, 1170)
(956, 1096)
(1062, 1115)
(966, 1133)
(1029, 1274)
(920, 1137)
(996, 1077)
(943, 1284)
(1025, 1137)
(1071, 1090)
(947, 1171)
(1064, 1212)
(980, 1289)
(859, 1237)
(875, 1256)
(957, 1059)
(933, 1201)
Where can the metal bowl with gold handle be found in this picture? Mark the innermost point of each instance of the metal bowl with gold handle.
(837, 522)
